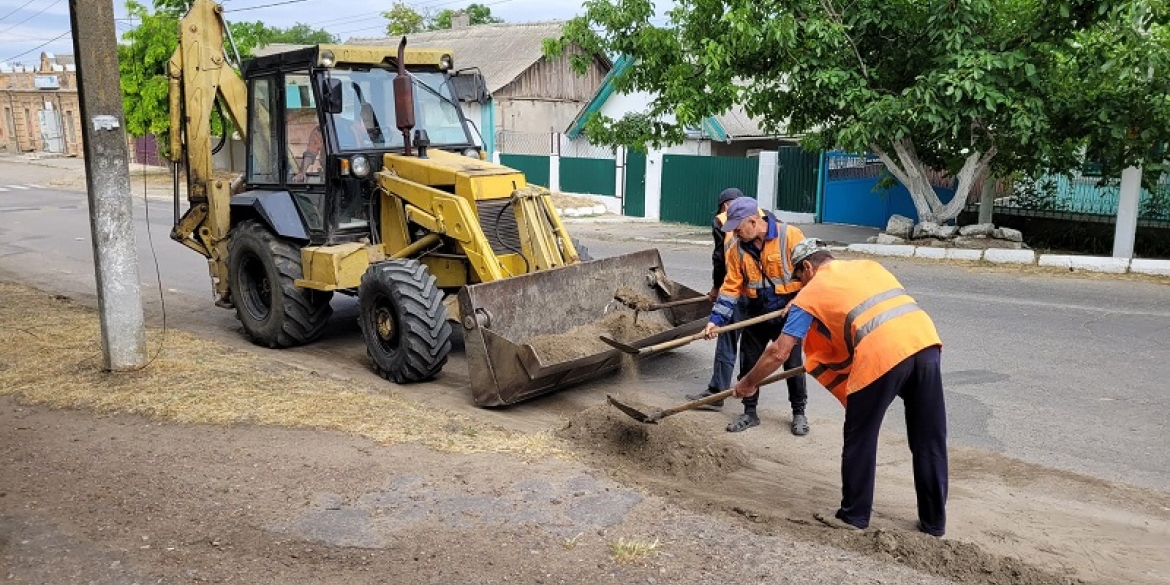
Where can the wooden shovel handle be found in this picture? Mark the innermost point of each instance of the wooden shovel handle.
(670, 304)
(665, 345)
(723, 395)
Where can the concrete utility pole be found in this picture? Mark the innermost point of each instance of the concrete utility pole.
(1128, 203)
(107, 171)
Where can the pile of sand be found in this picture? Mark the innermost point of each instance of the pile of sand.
(673, 447)
(633, 299)
(583, 340)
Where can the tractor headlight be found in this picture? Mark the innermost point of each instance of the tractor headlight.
(446, 62)
(327, 58)
(470, 152)
(360, 166)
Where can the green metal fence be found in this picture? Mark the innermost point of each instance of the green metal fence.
(797, 185)
(534, 167)
(691, 184)
(1083, 198)
(595, 176)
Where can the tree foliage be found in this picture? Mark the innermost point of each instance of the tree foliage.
(403, 19)
(971, 86)
(476, 13)
(146, 49)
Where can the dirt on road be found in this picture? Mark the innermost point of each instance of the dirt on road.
(217, 465)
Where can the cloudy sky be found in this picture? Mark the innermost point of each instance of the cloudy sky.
(28, 27)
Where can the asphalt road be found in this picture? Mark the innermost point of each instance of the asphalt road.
(1062, 371)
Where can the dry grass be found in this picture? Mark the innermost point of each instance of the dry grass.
(631, 551)
(50, 354)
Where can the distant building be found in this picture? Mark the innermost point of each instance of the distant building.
(529, 96)
(39, 109)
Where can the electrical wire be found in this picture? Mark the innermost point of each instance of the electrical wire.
(39, 46)
(17, 10)
(499, 216)
(281, 3)
(153, 253)
(34, 15)
(162, 301)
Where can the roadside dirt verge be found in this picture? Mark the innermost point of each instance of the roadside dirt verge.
(368, 483)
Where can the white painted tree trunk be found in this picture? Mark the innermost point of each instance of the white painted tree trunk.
(910, 171)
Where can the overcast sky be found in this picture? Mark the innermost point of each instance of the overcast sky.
(25, 25)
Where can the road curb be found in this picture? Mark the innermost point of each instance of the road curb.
(1090, 263)
(1102, 264)
(1150, 267)
(1004, 256)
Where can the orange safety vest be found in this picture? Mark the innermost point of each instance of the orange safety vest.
(776, 257)
(865, 325)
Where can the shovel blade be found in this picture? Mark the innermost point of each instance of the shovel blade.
(619, 345)
(631, 411)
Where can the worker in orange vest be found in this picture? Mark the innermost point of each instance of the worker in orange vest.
(867, 342)
(759, 275)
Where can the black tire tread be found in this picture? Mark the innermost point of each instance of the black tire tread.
(423, 320)
(305, 312)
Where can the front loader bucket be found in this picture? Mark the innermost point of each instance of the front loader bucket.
(534, 334)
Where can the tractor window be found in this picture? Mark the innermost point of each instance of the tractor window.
(263, 164)
(367, 119)
(306, 143)
(435, 110)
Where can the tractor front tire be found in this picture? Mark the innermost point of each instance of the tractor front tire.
(263, 269)
(404, 321)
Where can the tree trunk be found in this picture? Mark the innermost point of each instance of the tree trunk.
(912, 175)
(987, 199)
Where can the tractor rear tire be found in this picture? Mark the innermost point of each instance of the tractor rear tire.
(404, 321)
(263, 269)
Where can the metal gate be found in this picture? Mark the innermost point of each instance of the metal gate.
(852, 195)
(691, 184)
(797, 183)
(634, 198)
(534, 167)
(50, 125)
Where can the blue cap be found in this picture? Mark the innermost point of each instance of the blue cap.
(739, 210)
(729, 194)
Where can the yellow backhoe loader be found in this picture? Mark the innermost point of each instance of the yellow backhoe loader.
(362, 178)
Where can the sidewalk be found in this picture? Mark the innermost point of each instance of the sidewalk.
(657, 232)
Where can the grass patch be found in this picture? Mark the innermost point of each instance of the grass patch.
(50, 354)
(632, 550)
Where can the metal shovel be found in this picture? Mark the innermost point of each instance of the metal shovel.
(654, 417)
(652, 349)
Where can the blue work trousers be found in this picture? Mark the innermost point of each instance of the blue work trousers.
(726, 348)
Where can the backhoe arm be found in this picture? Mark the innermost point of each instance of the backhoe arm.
(199, 72)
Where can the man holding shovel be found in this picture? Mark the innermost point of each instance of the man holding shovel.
(759, 274)
(867, 342)
(728, 342)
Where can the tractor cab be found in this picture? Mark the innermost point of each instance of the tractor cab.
(321, 118)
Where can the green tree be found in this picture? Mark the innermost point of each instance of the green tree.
(404, 20)
(145, 51)
(142, 63)
(965, 85)
(477, 14)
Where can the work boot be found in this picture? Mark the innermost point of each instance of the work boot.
(799, 425)
(715, 406)
(745, 421)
